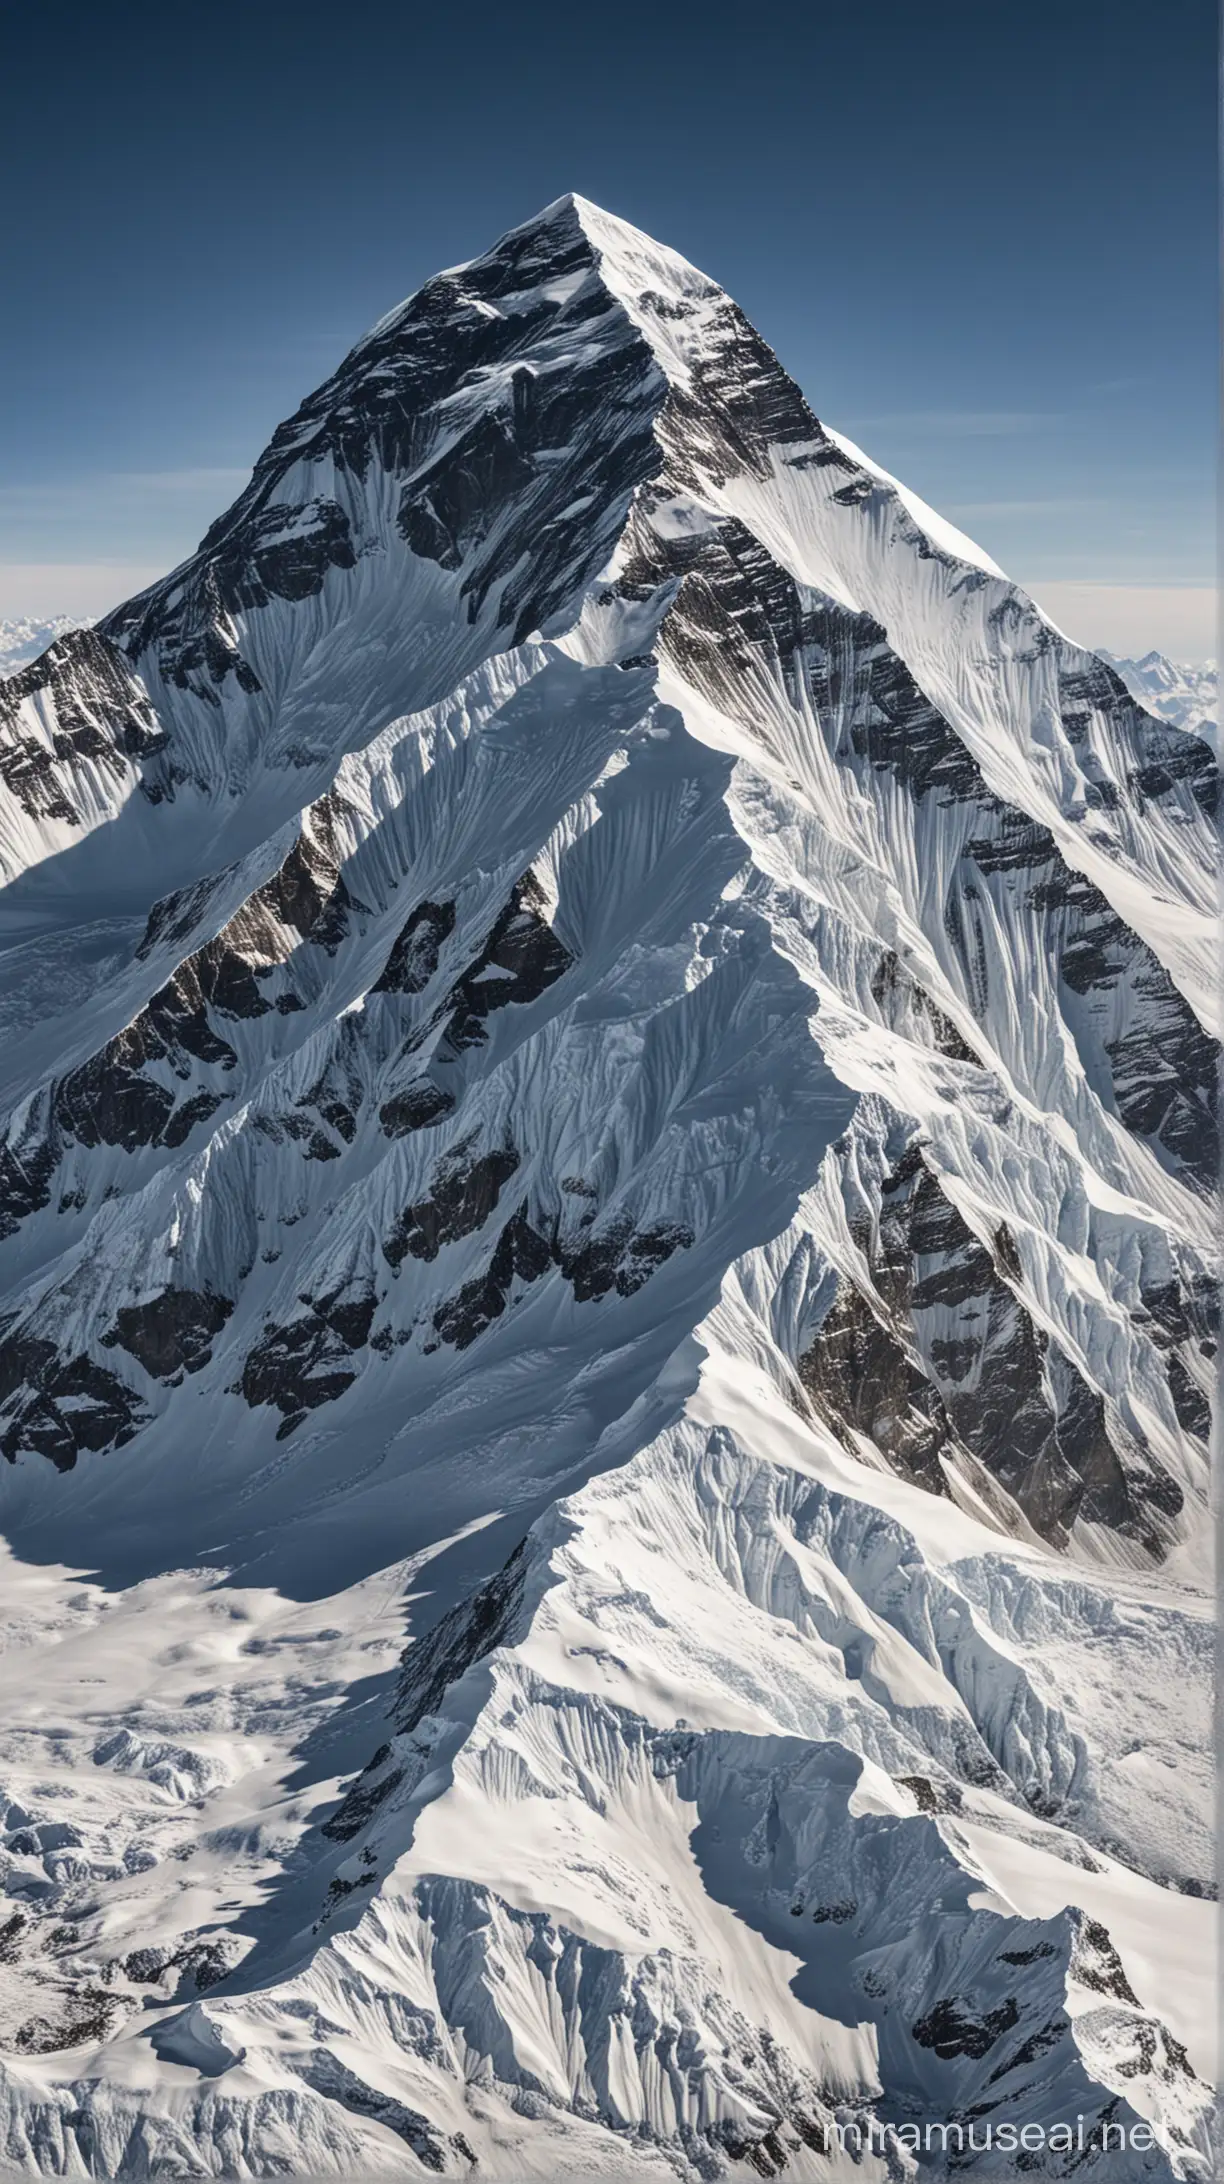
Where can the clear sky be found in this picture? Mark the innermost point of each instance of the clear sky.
(981, 235)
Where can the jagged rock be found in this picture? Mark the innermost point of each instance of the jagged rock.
(465, 1188)
(172, 1333)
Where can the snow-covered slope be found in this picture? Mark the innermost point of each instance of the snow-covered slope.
(25, 638)
(1184, 692)
(607, 1048)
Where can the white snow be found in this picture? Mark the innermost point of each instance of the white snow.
(673, 1846)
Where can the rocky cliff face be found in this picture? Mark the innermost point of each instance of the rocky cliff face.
(602, 1017)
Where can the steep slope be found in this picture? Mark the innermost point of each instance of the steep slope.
(601, 1016)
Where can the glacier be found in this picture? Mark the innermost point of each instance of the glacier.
(610, 1262)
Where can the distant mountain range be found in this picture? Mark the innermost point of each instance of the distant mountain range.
(609, 1252)
(1186, 695)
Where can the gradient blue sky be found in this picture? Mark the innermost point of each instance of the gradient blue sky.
(981, 236)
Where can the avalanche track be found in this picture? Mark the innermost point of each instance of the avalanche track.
(609, 1303)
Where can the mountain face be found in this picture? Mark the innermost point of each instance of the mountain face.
(609, 1305)
(1188, 694)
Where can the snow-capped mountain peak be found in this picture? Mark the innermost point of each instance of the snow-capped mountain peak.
(1184, 693)
(604, 1052)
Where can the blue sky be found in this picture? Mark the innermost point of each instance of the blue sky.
(982, 237)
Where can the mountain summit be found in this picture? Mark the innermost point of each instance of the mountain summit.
(607, 1045)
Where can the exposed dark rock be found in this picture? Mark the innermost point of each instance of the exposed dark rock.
(308, 892)
(1007, 1257)
(195, 1965)
(428, 1667)
(415, 1109)
(112, 1099)
(170, 1333)
(338, 1117)
(143, 1966)
(203, 1964)
(758, 406)
(1027, 1956)
(520, 959)
(98, 713)
(88, 2013)
(1059, 1463)
(901, 998)
(269, 550)
(306, 1362)
(1180, 1312)
(465, 1188)
(286, 553)
(297, 1128)
(619, 1256)
(11, 1930)
(183, 1121)
(463, 1636)
(1165, 1078)
(951, 2028)
(1095, 1962)
(593, 410)
(55, 1407)
(176, 916)
(27, 1167)
(932, 1796)
(1039, 2043)
(350, 1313)
(414, 958)
(1189, 1402)
(378, 1781)
(941, 1355)
(452, 506)
(859, 1374)
(453, 511)
(519, 1254)
(1114, 1495)
(108, 1102)
(1164, 1070)
(1159, 756)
